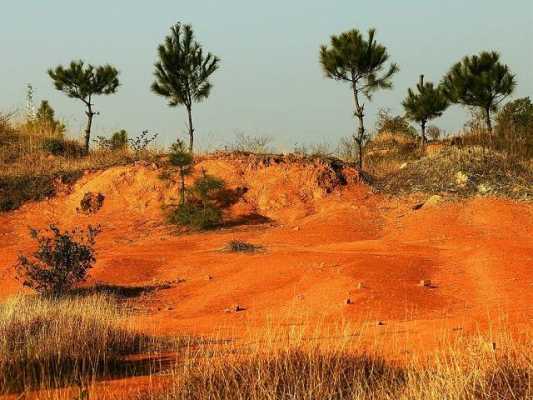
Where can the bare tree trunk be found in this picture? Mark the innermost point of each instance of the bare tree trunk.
(488, 120)
(359, 113)
(90, 114)
(424, 140)
(182, 186)
(191, 129)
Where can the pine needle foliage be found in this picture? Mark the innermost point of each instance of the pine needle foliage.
(429, 103)
(84, 81)
(480, 81)
(180, 157)
(182, 72)
(362, 63)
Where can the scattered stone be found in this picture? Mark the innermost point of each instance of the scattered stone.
(234, 309)
(425, 283)
(461, 179)
(483, 188)
(432, 201)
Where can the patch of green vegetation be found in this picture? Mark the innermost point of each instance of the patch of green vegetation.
(16, 190)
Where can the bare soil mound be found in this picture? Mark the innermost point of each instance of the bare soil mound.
(332, 251)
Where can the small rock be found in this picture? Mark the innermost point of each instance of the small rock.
(234, 309)
(433, 200)
(404, 165)
(461, 178)
(381, 323)
(209, 277)
(483, 189)
(349, 301)
(297, 228)
(360, 285)
(425, 283)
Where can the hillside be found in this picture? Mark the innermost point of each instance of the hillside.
(325, 237)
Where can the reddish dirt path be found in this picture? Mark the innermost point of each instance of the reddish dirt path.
(318, 247)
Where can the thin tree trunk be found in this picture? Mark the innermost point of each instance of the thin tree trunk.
(423, 126)
(359, 113)
(90, 114)
(182, 186)
(191, 129)
(488, 120)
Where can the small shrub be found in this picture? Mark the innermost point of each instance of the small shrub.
(92, 202)
(16, 190)
(59, 146)
(239, 246)
(196, 216)
(252, 144)
(142, 142)
(117, 142)
(387, 122)
(61, 261)
(54, 146)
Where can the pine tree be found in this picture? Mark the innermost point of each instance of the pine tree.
(480, 81)
(82, 82)
(183, 71)
(429, 103)
(360, 62)
(182, 159)
(45, 118)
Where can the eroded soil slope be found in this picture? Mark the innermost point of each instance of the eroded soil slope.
(325, 238)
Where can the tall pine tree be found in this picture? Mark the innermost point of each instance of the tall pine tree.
(83, 82)
(480, 81)
(429, 103)
(362, 63)
(183, 71)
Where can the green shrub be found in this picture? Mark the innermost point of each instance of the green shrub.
(59, 146)
(16, 190)
(61, 260)
(196, 216)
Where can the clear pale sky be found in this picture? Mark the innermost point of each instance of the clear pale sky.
(270, 81)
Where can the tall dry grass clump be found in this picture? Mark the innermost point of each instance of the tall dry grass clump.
(468, 370)
(46, 343)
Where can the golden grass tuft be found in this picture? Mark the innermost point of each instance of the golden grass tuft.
(46, 343)
(469, 369)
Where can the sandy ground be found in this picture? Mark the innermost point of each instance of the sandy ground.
(323, 243)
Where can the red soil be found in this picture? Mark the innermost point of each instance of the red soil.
(321, 240)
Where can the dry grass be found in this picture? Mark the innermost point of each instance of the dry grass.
(486, 172)
(48, 343)
(300, 369)
(72, 343)
(35, 163)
